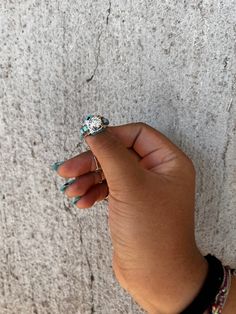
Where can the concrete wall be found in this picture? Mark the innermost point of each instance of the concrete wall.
(171, 64)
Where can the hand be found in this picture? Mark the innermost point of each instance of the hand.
(151, 185)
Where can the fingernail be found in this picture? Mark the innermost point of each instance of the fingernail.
(66, 184)
(75, 200)
(56, 165)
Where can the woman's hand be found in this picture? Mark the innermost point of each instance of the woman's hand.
(151, 185)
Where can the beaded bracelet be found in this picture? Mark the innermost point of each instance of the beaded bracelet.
(220, 299)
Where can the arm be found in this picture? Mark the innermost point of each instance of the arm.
(151, 188)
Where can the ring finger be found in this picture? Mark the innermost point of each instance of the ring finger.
(96, 193)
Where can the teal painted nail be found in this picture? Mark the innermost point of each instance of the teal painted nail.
(66, 184)
(75, 200)
(56, 165)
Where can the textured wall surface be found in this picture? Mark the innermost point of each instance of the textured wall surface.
(171, 64)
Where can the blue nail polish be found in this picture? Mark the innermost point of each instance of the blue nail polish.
(75, 200)
(66, 184)
(56, 165)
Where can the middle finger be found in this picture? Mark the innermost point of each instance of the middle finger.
(80, 185)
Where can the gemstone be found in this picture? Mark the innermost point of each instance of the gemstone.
(105, 121)
(94, 123)
(89, 117)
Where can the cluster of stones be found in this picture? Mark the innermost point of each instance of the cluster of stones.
(93, 124)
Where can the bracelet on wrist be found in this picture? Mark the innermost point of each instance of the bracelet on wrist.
(218, 305)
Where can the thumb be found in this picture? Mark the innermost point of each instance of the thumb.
(117, 162)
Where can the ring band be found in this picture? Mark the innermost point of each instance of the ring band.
(96, 163)
(101, 176)
(98, 169)
(93, 124)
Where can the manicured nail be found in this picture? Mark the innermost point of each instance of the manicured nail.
(66, 184)
(75, 200)
(56, 165)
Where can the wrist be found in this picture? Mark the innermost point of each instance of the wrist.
(182, 288)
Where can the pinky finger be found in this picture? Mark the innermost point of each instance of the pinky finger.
(96, 193)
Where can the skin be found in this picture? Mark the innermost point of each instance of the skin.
(151, 186)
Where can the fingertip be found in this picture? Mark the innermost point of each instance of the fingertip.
(56, 165)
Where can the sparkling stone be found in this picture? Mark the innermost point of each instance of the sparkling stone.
(94, 123)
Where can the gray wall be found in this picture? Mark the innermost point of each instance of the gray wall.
(171, 64)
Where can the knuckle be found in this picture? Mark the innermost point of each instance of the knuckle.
(190, 165)
(140, 124)
(107, 144)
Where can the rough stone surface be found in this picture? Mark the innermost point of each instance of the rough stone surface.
(171, 64)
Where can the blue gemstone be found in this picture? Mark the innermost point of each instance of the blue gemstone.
(85, 128)
(105, 121)
(89, 117)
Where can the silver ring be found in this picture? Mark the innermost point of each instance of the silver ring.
(93, 124)
(96, 163)
(101, 176)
